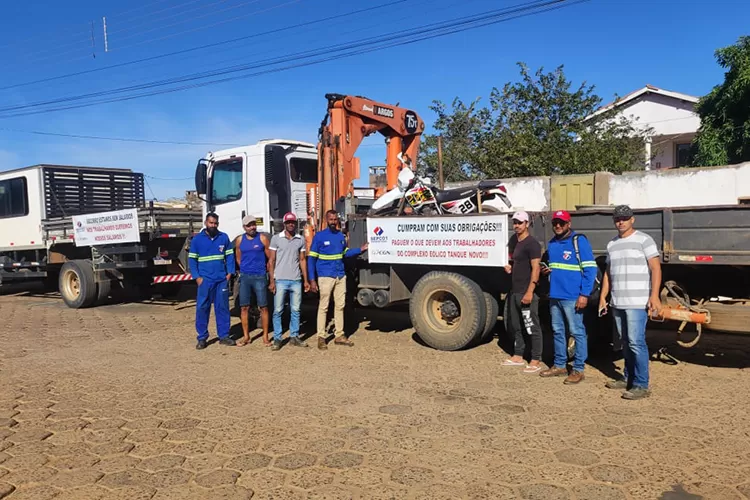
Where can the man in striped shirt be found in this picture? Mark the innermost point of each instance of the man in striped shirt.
(634, 278)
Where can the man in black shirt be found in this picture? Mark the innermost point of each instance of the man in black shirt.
(522, 304)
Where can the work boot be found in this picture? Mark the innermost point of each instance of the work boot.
(636, 393)
(553, 372)
(322, 344)
(227, 341)
(616, 384)
(343, 341)
(276, 345)
(574, 378)
(297, 342)
(202, 344)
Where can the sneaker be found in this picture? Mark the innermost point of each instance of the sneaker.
(276, 345)
(636, 393)
(202, 344)
(297, 342)
(616, 384)
(227, 341)
(574, 378)
(554, 372)
(322, 344)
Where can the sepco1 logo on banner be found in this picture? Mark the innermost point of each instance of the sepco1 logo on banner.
(378, 235)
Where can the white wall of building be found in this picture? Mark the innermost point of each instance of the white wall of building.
(681, 188)
(525, 193)
(666, 115)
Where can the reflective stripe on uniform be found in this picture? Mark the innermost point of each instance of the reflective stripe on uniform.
(313, 254)
(335, 256)
(564, 267)
(588, 263)
(210, 257)
(229, 252)
(192, 256)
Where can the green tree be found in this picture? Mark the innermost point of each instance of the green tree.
(724, 135)
(539, 125)
(459, 129)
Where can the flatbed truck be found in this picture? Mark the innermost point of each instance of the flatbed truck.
(46, 212)
(704, 252)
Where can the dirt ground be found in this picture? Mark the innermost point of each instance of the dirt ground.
(115, 402)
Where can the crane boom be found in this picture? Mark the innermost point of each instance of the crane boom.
(348, 120)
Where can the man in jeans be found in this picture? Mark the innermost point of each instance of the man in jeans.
(326, 261)
(571, 283)
(634, 278)
(522, 304)
(288, 276)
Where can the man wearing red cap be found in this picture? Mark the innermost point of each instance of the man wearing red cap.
(572, 271)
(287, 275)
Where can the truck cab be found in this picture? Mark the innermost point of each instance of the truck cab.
(267, 180)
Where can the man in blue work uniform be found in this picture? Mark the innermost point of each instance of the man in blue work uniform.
(326, 260)
(211, 259)
(572, 271)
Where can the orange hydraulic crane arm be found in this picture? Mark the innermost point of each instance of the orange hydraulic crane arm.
(348, 121)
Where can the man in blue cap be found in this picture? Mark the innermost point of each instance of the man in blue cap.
(211, 261)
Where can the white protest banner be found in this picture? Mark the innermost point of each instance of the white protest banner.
(107, 228)
(469, 240)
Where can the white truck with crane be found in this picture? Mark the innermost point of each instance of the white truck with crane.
(449, 268)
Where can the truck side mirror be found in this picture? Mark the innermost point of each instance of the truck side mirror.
(201, 178)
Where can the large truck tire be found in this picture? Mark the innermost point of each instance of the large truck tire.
(77, 284)
(447, 310)
(493, 311)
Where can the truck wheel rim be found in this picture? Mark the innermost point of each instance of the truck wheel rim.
(71, 285)
(443, 311)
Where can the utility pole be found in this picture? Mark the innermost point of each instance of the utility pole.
(104, 24)
(440, 162)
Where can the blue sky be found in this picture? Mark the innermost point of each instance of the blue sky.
(617, 45)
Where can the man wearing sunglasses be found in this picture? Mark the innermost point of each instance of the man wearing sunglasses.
(572, 271)
(634, 277)
(522, 304)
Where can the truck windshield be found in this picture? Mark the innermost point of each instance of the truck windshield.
(303, 170)
(226, 181)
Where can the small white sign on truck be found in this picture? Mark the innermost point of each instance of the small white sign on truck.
(107, 228)
(472, 240)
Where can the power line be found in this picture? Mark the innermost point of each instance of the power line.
(130, 139)
(339, 48)
(371, 44)
(206, 26)
(160, 28)
(206, 46)
(46, 54)
(151, 14)
(118, 139)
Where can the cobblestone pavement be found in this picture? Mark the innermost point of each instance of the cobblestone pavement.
(115, 402)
